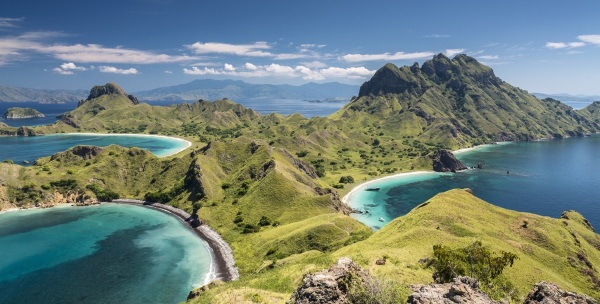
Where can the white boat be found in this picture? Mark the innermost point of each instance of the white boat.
(381, 219)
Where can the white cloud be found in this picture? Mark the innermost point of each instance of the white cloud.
(563, 45)
(284, 71)
(168, 72)
(593, 39)
(98, 53)
(257, 49)
(251, 50)
(17, 47)
(452, 52)
(62, 72)
(314, 64)
(206, 64)
(385, 56)
(115, 70)
(229, 67)
(68, 68)
(10, 22)
(203, 71)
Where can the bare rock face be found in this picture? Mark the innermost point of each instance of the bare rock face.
(548, 293)
(462, 290)
(328, 286)
(108, 89)
(444, 161)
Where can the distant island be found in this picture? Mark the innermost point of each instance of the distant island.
(329, 100)
(22, 113)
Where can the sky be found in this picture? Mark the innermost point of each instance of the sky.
(540, 46)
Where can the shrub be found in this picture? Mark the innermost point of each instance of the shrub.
(475, 261)
(377, 290)
(346, 179)
(264, 221)
(302, 153)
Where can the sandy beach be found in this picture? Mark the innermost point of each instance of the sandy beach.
(187, 143)
(346, 199)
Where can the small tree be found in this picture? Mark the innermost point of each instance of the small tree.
(474, 260)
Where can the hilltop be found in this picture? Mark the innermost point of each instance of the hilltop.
(271, 184)
(457, 102)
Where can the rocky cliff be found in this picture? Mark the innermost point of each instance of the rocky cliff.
(108, 89)
(445, 161)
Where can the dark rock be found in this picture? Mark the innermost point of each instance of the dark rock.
(193, 181)
(380, 262)
(329, 286)
(462, 290)
(444, 161)
(548, 293)
(108, 89)
(393, 80)
(25, 131)
(81, 152)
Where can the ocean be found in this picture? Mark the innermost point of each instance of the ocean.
(544, 177)
(99, 254)
(49, 110)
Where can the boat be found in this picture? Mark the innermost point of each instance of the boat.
(373, 189)
(381, 219)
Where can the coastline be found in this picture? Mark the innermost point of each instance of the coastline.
(347, 198)
(223, 263)
(186, 143)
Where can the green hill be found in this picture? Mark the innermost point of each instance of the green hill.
(457, 102)
(267, 183)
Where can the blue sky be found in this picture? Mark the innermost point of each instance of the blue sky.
(540, 46)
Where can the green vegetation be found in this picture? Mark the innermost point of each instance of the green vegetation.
(265, 182)
(19, 113)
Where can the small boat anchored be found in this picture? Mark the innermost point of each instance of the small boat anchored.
(381, 219)
(373, 189)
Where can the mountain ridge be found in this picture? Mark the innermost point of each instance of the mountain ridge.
(211, 89)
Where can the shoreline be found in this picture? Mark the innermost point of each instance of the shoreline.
(222, 260)
(187, 143)
(346, 199)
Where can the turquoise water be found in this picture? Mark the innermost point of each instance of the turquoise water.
(546, 177)
(100, 254)
(19, 148)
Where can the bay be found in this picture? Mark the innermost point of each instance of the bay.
(101, 254)
(29, 148)
(544, 177)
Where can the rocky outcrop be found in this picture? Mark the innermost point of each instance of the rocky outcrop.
(79, 152)
(108, 89)
(25, 131)
(22, 113)
(193, 181)
(329, 286)
(338, 205)
(301, 165)
(462, 290)
(548, 293)
(444, 161)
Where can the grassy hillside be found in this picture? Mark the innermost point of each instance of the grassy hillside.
(564, 251)
(269, 184)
